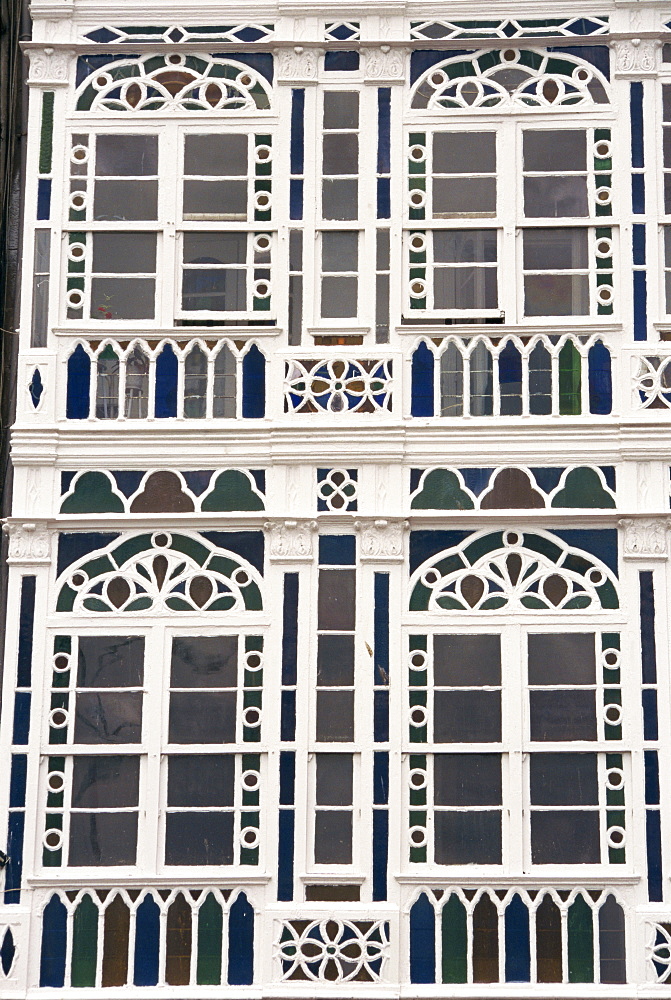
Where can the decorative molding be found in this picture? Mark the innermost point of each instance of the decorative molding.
(645, 538)
(49, 67)
(381, 540)
(298, 65)
(290, 541)
(384, 65)
(29, 542)
(636, 56)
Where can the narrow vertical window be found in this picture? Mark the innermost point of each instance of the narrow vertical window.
(295, 286)
(340, 155)
(41, 270)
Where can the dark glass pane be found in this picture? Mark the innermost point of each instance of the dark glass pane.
(202, 717)
(333, 837)
(334, 779)
(341, 109)
(555, 249)
(564, 838)
(465, 288)
(103, 839)
(454, 197)
(465, 247)
(123, 298)
(335, 660)
(555, 150)
(124, 253)
(341, 154)
(215, 248)
(214, 289)
(555, 197)
(562, 659)
(337, 599)
(199, 838)
(126, 155)
(556, 295)
(335, 716)
(339, 297)
(215, 155)
(99, 782)
(467, 779)
(340, 199)
(201, 780)
(563, 715)
(464, 152)
(485, 942)
(465, 838)
(466, 660)
(110, 661)
(612, 953)
(340, 251)
(548, 942)
(564, 779)
(108, 717)
(204, 661)
(215, 199)
(120, 201)
(467, 717)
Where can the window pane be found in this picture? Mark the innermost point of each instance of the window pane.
(555, 150)
(103, 839)
(123, 298)
(555, 197)
(458, 196)
(570, 837)
(204, 661)
(339, 297)
(467, 779)
(467, 717)
(199, 838)
(335, 716)
(215, 155)
(340, 252)
(110, 661)
(464, 152)
(215, 199)
(120, 201)
(465, 288)
(335, 660)
(333, 837)
(563, 779)
(124, 253)
(341, 154)
(215, 248)
(555, 249)
(337, 596)
(341, 109)
(217, 290)
(108, 717)
(467, 660)
(201, 779)
(563, 715)
(562, 659)
(202, 717)
(463, 838)
(469, 246)
(105, 782)
(340, 199)
(556, 295)
(126, 155)
(334, 779)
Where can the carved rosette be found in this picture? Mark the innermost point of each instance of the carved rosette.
(29, 543)
(290, 541)
(49, 67)
(645, 538)
(381, 541)
(298, 65)
(384, 65)
(636, 56)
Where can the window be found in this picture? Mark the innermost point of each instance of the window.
(340, 274)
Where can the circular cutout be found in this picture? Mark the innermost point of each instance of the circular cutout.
(249, 837)
(263, 154)
(240, 576)
(262, 201)
(76, 251)
(253, 660)
(602, 149)
(262, 243)
(418, 288)
(611, 658)
(418, 243)
(604, 247)
(75, 298)
(79, 154)
(604, 195)
(251, 781)
(417, 779)
(78, 201)
(417, 836)
(596, 576)
(417, 198)
(102, 80)
(604, 294)
(56, 781)
(418, 716)
(431, 578)
(582, 74)
(53, 840)
(78, 579)
(613, 714)
(161, 539)
(61, 663)
(262, 289)
(417, 153)
(245, 79)
(511, 538)
(418, 659)
(438, 78)
(614, 778)
(176, 59)
(58, 718)
(616, 837)
(252, 717)
(510, 55)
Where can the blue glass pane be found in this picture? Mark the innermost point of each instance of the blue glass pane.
(297, 131)
(79, 381)
(285, 858)
(26, 617)
(384, 130)
(73, 545)
(651, 778)
(17, 781)
(648, 648)
(43, 199)
(640, 305)
(383, 198)
(15, 827)
(21, 718)
(518, 949)
(290, 629)
(600, 379)
(380, 853)
(288, 717)
(638, 194)
(381, 628)
(337, 550)
(147, 934)
(341, 62)
(636, 112)
(422, 383)
(422, 942)
(36, 388)
(650, 718)
(653, 840)
(597, 55)
(295, 198)
(287, 777)
(380, 778)
(381, 716)
(166, 383)
(54, 940)
(638, 243)
(253, 384)
(241, 943)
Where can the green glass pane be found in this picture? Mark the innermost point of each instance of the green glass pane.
(210, 934)
(85, 943)
(454, 941)
(583, 488)
(580, 942)
(441, 490)
(93, 495)
(47, 132)
(569, 380)
(232, 491)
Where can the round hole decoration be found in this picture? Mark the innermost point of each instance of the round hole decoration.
(79, 154)
(61, 663)
(417, 836)
(616, 837)
(249, 837)
(417, 198)
(262, 289)
(613, 714)
(251, 781)
(76, 251)
(604, 294)
(262, 243)
(56, 781)
(58, 718)
(604, 247)
(417, 779)
(417, 153)
(602, 149)
(252, 717)
(263, 154)
(417, 243)
(614, 778)
(604, 195)
(611, 658)
(253, 660)
(418, 716)
(418, 659)
(75, 298)
(53, 840)
(262, 201)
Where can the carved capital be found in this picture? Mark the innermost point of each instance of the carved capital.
(290, 541)
(49, 67)
(381, 541)
(645, 538)
(29, 543)
(636, 56)
(384, 65)
(298, 65)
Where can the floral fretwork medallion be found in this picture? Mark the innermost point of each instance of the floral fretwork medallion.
(333, 950)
